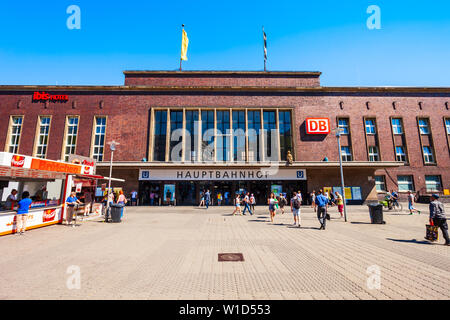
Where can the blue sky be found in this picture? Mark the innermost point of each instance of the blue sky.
(411, 49)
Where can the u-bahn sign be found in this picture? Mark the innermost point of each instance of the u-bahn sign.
(221, 174)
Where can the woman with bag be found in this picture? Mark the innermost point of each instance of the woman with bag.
(123, 201)
(272, 201)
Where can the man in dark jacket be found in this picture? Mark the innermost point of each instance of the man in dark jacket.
(438, 218)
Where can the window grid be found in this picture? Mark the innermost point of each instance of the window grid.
(239, 136)
(370, 127)
(285, 129)
(346, 154)
(254, 127)
(405, 183)
(71, 137)
(191, 135)
(428, 155)
(400, 154)
(42, 143)
(397, 126)
(380, 183)
(207, 125)
(160, 134)
(424, 127)
(447, 125)
(99, 138)
(176, 122)
(344, 126)
(373, 154)
(269, 118)
(433, 183)
(16, 129)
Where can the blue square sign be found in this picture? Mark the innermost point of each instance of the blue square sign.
(145, 174)
(300, 174)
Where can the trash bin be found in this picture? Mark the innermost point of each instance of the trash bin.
(376, 213)
(116, 210)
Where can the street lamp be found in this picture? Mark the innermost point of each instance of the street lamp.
(112, 146)
(338, 136)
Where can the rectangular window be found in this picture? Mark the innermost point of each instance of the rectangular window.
(373, 154)
(71, 137)
(239, 136)
(223, 135)
(160, 135)
(191, 142)
(433, 183)
(397, 126)
(380, 183)
(270, 124)
(208, 135)
(405, 183)
(285, 129)
(370, 126)
(447, 125)
(428, 155)
(176, 123)
(254, 131)
(14, 136)
(42, 142)
(99, 138)
(346, 154)
(400, 154)
(343, 125)
(424, 126)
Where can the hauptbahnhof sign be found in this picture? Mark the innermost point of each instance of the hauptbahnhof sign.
(221, 174)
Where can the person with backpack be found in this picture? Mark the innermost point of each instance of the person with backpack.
(438, 217)
(322, 207)
(295, 207)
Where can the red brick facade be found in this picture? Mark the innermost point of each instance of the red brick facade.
(128, 114)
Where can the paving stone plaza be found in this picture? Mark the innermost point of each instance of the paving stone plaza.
(172, 253)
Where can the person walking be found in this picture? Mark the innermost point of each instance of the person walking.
(411, 203)
(202, 199)
(271, 202)
(134, 197)
(152, 198)
(169, 197)
(207, 198)
(87, 203)
(219, 199)
(247, 204)
(296, 201)
(438, 217)
(122, 201)
(237, 205)
(71, 202)
(252, 202)
(340, 203)
(322, 207)
(282, 202)
(22, 212)
(313, 200)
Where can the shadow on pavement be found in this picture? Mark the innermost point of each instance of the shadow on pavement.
(410, 241)
(360, 223)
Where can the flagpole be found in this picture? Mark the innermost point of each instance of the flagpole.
(264, 48)
(181, 60)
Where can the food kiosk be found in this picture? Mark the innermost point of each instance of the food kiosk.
(48, 182)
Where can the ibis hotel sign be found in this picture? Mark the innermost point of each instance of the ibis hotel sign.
(44, 96)
(221, 174)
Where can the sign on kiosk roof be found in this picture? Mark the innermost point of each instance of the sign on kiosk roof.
(26, 162)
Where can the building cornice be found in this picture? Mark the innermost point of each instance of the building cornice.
(18, 89)
(281, 165)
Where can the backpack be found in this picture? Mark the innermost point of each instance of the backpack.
(296, 203)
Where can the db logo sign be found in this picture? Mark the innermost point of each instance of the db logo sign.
(318, 126)
(17, 161)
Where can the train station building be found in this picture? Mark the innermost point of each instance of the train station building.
(234, 131)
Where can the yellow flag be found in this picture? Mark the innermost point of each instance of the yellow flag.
(184, 46)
